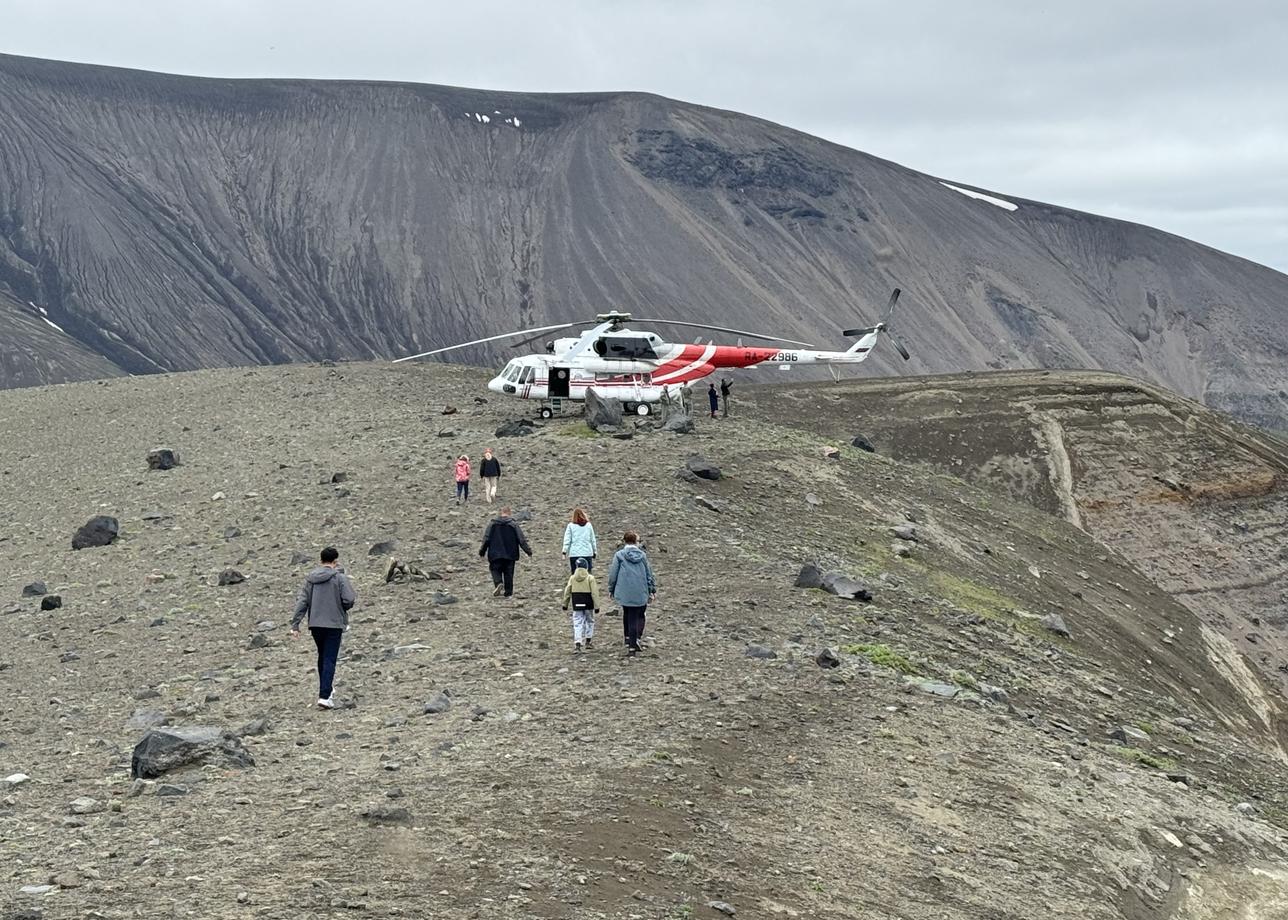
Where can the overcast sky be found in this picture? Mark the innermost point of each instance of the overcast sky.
(1173, 114)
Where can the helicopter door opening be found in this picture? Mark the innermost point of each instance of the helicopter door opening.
(560, 380)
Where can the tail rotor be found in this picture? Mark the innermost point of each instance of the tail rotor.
(884, 327)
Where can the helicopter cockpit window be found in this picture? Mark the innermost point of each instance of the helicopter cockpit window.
(512, 373)
(528, 374)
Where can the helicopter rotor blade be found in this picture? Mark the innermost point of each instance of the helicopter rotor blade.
(894, 298)
(864, 331)
(898, 346)
(491, 338)
(750, 335)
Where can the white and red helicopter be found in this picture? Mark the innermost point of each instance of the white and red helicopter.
(640, 368)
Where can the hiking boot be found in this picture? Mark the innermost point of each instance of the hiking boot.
(327, 703)
(496, 592)
(588, 645)
(576, 647)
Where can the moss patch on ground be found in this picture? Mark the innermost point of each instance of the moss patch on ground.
(883, 656)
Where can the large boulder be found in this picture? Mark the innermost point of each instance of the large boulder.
(602, 414)
(809, 577)
(97, 531)
(162, 458)
(164, 749)
(843, 585)
(702, 468)
(679, 423)
(863, 443)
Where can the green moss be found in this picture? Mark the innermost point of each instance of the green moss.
(962, 679)
(1143, 758)
(579, 430)
(970, 595)
(883, 656)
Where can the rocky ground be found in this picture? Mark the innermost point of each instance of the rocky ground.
(1019, 722)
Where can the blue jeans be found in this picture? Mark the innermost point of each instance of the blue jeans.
(572, 563)
(463, 490)
(327, 640)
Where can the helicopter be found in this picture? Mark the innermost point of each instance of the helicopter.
(640, 368)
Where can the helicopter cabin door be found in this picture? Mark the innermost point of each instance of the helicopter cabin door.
(559, 382)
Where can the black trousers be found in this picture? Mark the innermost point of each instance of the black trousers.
(572, 563)
(328, 642)
(503, 573)
(633, 625)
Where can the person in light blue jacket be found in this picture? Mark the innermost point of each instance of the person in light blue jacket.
(579, 541)
(631, 584)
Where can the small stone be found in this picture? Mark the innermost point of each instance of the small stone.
(441, 702)
(1246, 808)
(337, 478)
(15, 779)
(51, 602)
(86, 806)
(759, 651)
(230, 577)
(827, 659)
(97, 531)
(443, 599)
(259, 640)
(376, 815)
(723, 907)
(383, 548)
(906, 532)
(34, 589)
(172, 789)
(708, 504)
(163, 458)
(1129, 735)
(703, 468)
(863, 443)
(142, 719)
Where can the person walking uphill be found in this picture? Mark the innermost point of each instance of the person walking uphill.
(579, 541)
(501, 544)
(490, 473)
(462, 479)
(713, 398)
(325, 599)
(631, 584)
(583, 593)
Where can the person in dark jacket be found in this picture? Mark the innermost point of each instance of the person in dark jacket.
(325, 599)
(501, 544)
(725, 387)
(490, 473)
(631, 584)
(713, 398)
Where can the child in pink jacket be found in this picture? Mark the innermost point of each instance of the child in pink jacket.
(462, 479)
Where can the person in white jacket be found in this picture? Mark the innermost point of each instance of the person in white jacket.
(579, 541)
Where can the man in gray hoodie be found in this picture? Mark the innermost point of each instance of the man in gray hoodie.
(325, 599)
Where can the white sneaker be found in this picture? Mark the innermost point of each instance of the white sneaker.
(327, 703)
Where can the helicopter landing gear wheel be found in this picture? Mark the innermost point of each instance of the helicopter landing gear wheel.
(643, 409)
(547, 412)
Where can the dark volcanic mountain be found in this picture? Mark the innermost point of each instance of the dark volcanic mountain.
(151, 222)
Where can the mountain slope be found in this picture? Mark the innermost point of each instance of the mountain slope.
(724, 766)
(171, 223)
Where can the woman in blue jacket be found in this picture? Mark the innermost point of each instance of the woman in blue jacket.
(579, 541)
(631, 584)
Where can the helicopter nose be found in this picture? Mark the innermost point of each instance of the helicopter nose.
(494, 384)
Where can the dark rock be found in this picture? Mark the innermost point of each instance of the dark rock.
(51, 602)
(386, 815)
(447, 433)
(97, 531)
(232, 533)
(449, 410)
(259, 640)
(443, 599)
(809, 577)
(702, 468)
(678, 423)
(625, 434)
(34, 589)
(515, 429)
(230, 577)
(337, 478)
(1053, 622)
(298, 558)
(827, 659)
(383, 548)
(441, 702)
(863, 443)
(759, 651)
(172, 789)
(601, 413)
(162, 458)
(164, 749)
(843, 585)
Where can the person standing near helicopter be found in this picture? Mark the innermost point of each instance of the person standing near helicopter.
(490, 473)
(725, 387)
(713, 398)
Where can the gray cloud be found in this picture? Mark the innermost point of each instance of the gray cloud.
(1172, 114)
